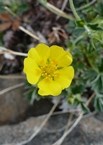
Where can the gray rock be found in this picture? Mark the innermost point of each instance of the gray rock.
(12, 134)
(12, 104)
(88, 132)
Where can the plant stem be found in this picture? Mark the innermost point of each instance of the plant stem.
(90, 99)
(74, 10)
(87, 29)
(22, 28)
(29, 33)
(86, 6)
(63, 6)
(77, 16)
(8, 10)
(55, 10)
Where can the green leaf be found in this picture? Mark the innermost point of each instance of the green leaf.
(97, 36)
(90, 75)
(34, 96)
(98, 103)
(31, 93)
(97, 84)
(78, 88)
(100, 65)
(75, 99)
(99, 8)
(94, 26)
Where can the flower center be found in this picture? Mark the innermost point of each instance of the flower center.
(49, 70)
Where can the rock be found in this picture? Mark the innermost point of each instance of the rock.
(12, 134)
(13, 105)
(88, 132)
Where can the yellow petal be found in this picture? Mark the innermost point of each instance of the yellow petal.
(33, 54)
(29, 64)
(65, 60)
(65, 76)
(32, 71)
(49, 87)
(56, 51)
(43, 50)
(62, 57)
(32, 78)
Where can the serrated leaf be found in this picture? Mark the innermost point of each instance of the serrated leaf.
(100, 65)
(90, 75)
(98, 103)
(76, 89)
(97, 85)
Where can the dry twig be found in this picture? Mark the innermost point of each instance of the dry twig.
(11, 88)
(12, 77)
(59, 142)
(5, 50)
(55, 10)
(21, 27)
(63, 7)
(29, 33)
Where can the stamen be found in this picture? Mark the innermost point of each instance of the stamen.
(49, 70)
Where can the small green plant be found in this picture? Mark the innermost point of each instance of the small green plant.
(86, 44)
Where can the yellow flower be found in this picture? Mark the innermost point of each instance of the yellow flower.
(49, 68)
